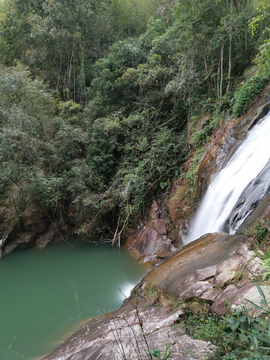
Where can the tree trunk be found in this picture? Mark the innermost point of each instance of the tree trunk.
(230, 53)
(221, 69)
(218, 78)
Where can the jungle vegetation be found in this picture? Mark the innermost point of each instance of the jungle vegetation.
(102, 101)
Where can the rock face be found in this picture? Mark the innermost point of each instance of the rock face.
(238, 296)
(119, 335)
(31, 228)
(22, 240)
(35, 222)
(9, 230)
(205, 268)
(261, 214)
(150, 244)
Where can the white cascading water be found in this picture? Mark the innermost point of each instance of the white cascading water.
(242, 182)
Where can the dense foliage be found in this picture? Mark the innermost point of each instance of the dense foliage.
(99, 99)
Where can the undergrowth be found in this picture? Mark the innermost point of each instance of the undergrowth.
(242, 333)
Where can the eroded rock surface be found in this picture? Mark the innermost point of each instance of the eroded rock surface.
(119, 333)
(205, 268)
(150, 244)
(22, 240)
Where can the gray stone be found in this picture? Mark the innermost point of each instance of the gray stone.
(238, 296)
(205, 269)
(110, 336)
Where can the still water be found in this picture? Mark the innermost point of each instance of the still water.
(46, 295)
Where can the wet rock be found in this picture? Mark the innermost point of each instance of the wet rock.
(119, 334)
(148, 244)
(45, 238)
(183, 229)
(205, 267)
(22, 240)
(261, 213)
(165, 249)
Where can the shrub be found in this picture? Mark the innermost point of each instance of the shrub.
(247, 93)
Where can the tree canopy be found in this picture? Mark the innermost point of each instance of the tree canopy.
(101, 101)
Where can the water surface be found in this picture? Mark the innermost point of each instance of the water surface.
(46, 295)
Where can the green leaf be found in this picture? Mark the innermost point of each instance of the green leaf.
(255, 340)
(264, 347)
(166, 357)
(260, 291)
(263, 302)
(166, 350)
(259, 336)
(243, 318)
(155, 353)
(255, 305)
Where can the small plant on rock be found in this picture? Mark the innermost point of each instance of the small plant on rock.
(157, 354)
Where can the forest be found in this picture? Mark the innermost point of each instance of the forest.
(103, 101)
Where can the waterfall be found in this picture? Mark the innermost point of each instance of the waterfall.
(238, 187)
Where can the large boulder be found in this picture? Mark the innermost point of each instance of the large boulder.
(150, 244)
(205, 268)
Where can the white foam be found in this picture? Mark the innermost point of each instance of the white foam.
(226, 188)
(125, 290)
